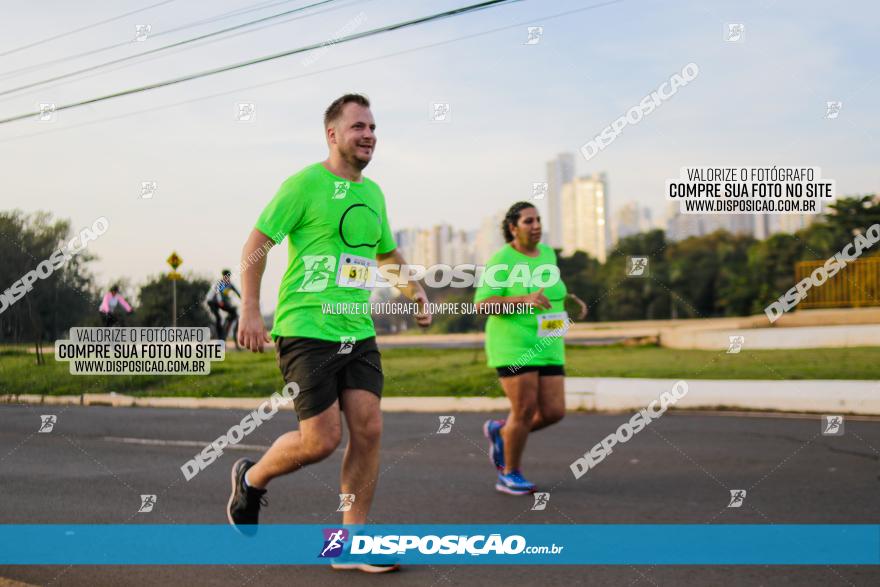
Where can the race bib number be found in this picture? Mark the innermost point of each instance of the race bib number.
(552, 324)
(355, 271)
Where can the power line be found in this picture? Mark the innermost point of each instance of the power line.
(199, 45)
(84, 28)
(222, 16)
(190, 77)
(157, 49)
(311, 73)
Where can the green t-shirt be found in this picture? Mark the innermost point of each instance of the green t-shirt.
(335, 229)
(524, 339)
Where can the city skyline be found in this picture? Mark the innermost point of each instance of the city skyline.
(509, 112)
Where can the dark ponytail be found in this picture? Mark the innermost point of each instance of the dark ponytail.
(512, 217)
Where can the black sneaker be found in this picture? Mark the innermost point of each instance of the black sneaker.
(244, 503)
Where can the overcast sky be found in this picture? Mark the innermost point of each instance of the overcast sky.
(513, 106)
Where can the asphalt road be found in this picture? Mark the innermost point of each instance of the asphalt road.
(678, 470)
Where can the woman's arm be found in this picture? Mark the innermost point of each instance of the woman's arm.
(124, 304)
(579, 302)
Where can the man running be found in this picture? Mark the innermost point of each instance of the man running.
(221, 299)
(337, 228)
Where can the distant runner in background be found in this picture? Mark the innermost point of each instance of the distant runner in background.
(221, 299)
(111, 300)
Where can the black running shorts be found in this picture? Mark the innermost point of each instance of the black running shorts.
(543, 370)
(322, 369)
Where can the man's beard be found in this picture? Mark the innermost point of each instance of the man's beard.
(352, 159)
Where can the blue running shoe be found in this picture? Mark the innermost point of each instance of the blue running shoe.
(492, 431)
(514, 483)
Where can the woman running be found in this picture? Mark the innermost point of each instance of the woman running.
(524, 296)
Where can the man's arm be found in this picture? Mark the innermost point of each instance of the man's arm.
(251, 330)
(412, 290)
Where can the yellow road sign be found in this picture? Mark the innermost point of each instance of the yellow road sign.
(174, 260)
(174, 275)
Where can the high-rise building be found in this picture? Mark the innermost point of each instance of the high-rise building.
(488, 238)
(759, 225)
(792, 223)
(559, 172)
(435, 245)
(630, 219)
(681, 226)
(406, 243)
(460, 248)
(585, 225)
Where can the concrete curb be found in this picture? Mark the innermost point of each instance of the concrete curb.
(832, 396)
(848, 336)
(582, 393)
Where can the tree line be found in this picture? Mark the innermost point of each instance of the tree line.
(716, 275)
(720, 274)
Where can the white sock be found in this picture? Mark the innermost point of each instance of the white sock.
(247, 481)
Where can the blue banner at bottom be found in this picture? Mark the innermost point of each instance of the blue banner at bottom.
(526, 544)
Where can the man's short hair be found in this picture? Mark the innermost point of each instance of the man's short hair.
(334, 111)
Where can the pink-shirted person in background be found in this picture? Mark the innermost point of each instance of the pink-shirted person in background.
(108, 306)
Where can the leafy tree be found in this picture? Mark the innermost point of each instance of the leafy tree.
(63, 299)
(581, 275)
(155, 300)
(708, 274)
(636, 298)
